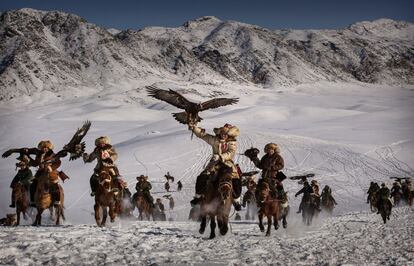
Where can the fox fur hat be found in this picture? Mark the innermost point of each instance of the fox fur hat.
(23, 160)
(102, 140)
(272, 146)
(45, 144)
(231, 131)
(142, 177)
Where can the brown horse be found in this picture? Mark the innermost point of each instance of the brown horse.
(327, 203)
(373, 201)
(105, 198)
(143, 206)
(217, 202)
(407, 195)
(270, 208)
(43, 200)
(21, 199)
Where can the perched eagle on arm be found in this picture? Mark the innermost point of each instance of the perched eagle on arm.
(190, 115)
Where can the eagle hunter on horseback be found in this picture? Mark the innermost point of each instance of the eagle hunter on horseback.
(270, 195)
(219, 182)
(271, 164)
(106, 171)
(45, 191)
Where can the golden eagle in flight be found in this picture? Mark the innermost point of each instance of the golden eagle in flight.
(190, 115)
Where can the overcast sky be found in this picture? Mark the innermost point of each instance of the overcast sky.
(315, 14)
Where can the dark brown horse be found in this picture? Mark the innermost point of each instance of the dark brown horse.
(407, 195)
(217, 201)
(372, 197)
(271, 208)
(21, 199)
(385, 210)
(327, 203)
(105, 198)
(284, 209)
(143, 206)
(43, 199)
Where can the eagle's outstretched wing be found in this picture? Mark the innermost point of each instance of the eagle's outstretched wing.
(169, 96)
(300, 177)
(75, 147)
(251, 173)
(10, 152)
(217, 102)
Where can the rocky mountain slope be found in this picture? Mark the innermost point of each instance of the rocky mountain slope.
(55, 52)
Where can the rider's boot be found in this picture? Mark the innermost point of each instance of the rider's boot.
(196, 200)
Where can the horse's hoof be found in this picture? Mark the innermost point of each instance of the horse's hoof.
(284, 225)
(223, 231)
(212, 236)
(262, 229)
(276, 227)
(201, 231)
(268, 234)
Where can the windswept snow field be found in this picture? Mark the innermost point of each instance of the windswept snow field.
(348, 134)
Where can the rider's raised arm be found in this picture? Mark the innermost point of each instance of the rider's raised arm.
(201, 133)
(88, 158)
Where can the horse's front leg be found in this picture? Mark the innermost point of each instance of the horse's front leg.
(18, 215)
(97, 215)
(269, 225)
(212, 227)
(51, 212)
(112, 212)
(276, 222)
(261, 222)
(223, 225)
(104, 215)
(284, 221)
(38, 220)
(203, 224)
(58, 213)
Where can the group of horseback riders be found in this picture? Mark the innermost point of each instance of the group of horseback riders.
(224, 146)
(380, 197)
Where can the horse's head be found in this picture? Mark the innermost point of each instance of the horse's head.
(284, 198)
(19, 189)
(105, 181)
(265, 191)
(225, 189)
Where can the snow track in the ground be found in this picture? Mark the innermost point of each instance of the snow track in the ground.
(357, 238)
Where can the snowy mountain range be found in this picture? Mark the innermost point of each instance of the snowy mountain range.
(59, 52)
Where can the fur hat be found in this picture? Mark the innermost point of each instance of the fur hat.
(23, 158)
(272, 146)
(231, 131)
(142, 177)
(45, 144)
(102, 140)
(314, 182)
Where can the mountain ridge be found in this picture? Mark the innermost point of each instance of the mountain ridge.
(55, 51)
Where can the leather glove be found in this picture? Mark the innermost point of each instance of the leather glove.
(215, 158)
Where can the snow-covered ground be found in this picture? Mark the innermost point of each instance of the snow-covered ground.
(347, 134)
